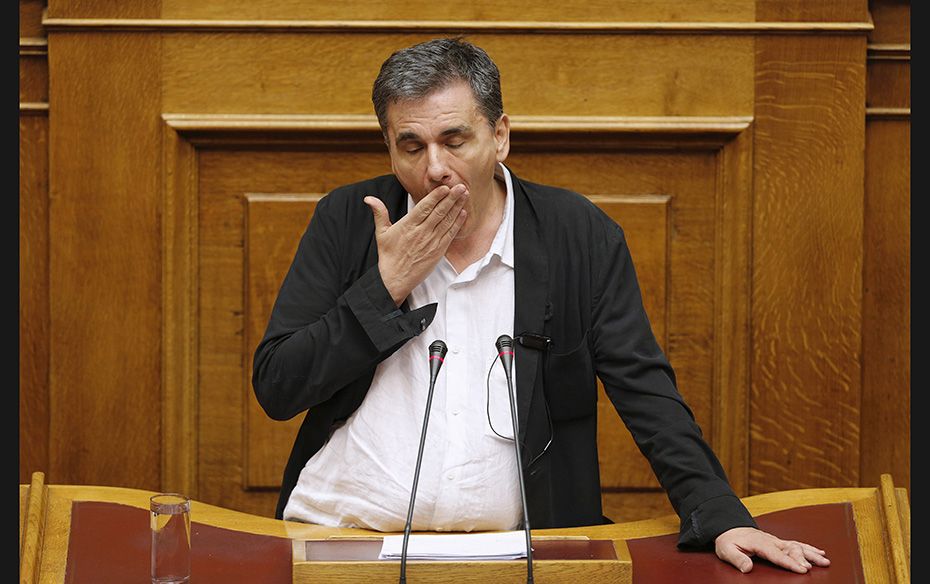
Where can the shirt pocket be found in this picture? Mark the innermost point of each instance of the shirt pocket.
(571, 386)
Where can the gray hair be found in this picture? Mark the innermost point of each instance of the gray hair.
(417, 71)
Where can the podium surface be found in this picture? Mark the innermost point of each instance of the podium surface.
(74, 534)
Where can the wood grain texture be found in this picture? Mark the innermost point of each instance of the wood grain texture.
(634, 10)
(865, 504)
(104, 9)
(807, 262)
(33, 296)
(180, 406)
(886, 308)
(332, 73)
(802, 10)
(30, 18)
(888, 84)
(892, 519)
(274, 225)
(631, 505)
(33, 78)
(732, 349)
(646, 221)
(105, 260)
(33, 530)
(892, 19)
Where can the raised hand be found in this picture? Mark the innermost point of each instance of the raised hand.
(409, 249)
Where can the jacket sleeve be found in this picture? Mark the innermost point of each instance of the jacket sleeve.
(640, 383)
(324, 333)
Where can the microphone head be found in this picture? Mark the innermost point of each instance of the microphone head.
(504, 342)
(438, 349)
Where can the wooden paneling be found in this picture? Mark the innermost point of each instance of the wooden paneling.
(332, 73)
(104, 9)
(105, 260)
(33, 295)
(804, 10)
(30, 18)
(786, 259)
(886, 313)
(33, 78)
(33, 243)
(274, 225)
(645, 221)
(807, 262)
(889, 83)
(892, 19)
(506, 10)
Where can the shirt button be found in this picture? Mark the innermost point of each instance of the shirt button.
(455, 412)
(450, 476)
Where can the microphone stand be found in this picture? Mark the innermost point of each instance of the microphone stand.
(437, 352)
(504, 346)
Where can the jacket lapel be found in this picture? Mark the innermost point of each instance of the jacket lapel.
(531, 289)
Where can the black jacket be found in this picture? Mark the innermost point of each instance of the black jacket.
(334, 321)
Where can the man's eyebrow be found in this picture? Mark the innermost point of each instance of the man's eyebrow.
(452, 131)
(404, 136)
(456, 130)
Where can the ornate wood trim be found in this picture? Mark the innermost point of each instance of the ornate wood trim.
(452, 26)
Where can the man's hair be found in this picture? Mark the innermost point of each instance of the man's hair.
(417, 71)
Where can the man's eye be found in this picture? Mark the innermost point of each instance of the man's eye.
(455, 144)
(414, 150)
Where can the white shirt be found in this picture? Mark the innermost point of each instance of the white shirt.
(468, 480)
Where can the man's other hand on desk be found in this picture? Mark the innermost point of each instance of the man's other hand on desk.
(738, 545)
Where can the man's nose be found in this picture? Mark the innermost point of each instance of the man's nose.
(438, 168)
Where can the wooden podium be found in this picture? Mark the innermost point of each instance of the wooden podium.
(81, 534)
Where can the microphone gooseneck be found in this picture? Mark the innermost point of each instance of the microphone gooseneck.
(504, 346)
(437, 354)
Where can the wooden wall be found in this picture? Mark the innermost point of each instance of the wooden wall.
(176, 156)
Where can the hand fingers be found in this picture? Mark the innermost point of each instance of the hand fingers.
(451, 216)
(422, 211)
(443, 206)
(788, 556)
(815, 555)
(379, 212)
(733, 555)
(449, 235)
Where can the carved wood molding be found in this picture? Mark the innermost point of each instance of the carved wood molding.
(888, 113)
(885, 52)
(452, 26)
(33, 108)
(32, 46)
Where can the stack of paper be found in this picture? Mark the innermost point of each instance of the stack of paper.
(505, 545)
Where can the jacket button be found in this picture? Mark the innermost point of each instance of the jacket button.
(422, 324)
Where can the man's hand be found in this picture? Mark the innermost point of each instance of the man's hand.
(409, 249)
(739, 544)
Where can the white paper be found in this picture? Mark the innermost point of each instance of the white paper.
(504, 545)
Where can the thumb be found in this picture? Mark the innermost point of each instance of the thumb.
(733, 555)
(379, 212)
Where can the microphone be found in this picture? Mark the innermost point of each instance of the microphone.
(437, 353)
(504, 346)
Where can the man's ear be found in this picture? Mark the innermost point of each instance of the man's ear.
(502, 137)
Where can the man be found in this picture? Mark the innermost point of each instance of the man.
(455, 245)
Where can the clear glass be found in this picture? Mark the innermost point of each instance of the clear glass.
(171, 538)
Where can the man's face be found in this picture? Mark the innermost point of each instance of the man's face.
(443, 139)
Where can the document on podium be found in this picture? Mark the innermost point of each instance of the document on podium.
(504, 545)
